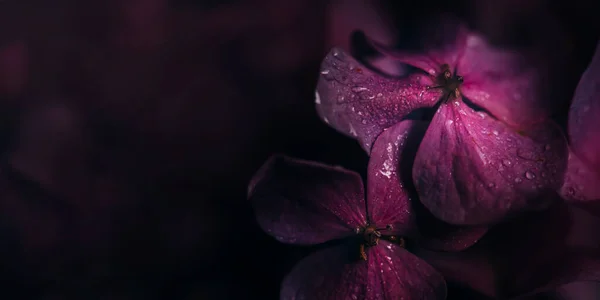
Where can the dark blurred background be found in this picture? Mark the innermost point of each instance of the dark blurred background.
(130, 129)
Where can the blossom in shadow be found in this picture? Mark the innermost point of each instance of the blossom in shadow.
(490, 148)
(307, 203)
(531, 255)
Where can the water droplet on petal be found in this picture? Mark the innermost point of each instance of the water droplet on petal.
(518, 180)
(491, 185)
(506, 162)
(358, 89)
(529, 175)
(325, 72)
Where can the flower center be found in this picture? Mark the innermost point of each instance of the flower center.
(449, 82)
(371, 236)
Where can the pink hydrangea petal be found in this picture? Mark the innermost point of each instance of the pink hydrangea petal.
(387, 197)
(502, 82)
(304, 202)
(472, 169)
(360, 103)
(390, 272)
(580, 184)
(584, 123)
(389, 203)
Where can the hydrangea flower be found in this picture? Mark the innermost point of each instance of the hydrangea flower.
(582, 179)
(490, 147)
(307, 203)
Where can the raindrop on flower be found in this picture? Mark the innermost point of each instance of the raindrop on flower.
(529, 175)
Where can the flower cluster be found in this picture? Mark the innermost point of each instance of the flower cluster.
(463, 153)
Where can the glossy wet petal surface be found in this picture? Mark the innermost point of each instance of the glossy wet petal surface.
(388, 199)
(360, 103)
(472, 169)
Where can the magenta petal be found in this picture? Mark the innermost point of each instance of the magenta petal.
(389, 203)
(502, 82)
(304, 202)
(584, 123)
(580, 183)
(472, 169)
(361, 103)
(387, 197)
(390, 272)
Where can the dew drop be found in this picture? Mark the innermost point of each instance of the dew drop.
(325, 72)
(491, 185)
(358, 89)
(529, 175)
(506, 162)
(379, 95)
(518, 180)
(340, 99)
(495, 132)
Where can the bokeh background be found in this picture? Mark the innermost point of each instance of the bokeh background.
(129, 130)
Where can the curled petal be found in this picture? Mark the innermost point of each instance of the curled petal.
(472, 169)
(584, 123)
(581, 185)
(444, 45)
(303, 202)
(360, 103)
(390, 272)
(387, 197)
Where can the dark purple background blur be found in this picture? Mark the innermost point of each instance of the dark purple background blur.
(128, 141)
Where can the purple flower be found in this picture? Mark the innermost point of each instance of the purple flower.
(307, 203)
(490, 147)
(582, 179)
